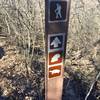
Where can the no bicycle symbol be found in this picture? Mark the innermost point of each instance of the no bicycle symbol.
(57, 11)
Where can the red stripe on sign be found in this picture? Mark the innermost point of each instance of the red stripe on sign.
(55, 57)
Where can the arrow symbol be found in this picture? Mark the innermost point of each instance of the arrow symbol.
(56, 42)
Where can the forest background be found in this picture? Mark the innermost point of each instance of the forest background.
(22, 53)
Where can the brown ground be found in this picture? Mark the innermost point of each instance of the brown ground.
(18, 82)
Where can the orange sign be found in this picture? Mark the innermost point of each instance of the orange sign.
(54, 71)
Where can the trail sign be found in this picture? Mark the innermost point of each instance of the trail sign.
(54, 71)
(56, 29)
(56, 41)
(57, 10)
(55, 57)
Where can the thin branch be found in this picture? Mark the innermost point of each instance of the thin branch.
(98, 75)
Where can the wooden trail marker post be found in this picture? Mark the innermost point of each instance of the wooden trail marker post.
(56, 29)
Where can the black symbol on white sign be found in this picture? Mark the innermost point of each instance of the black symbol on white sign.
(57, 11)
